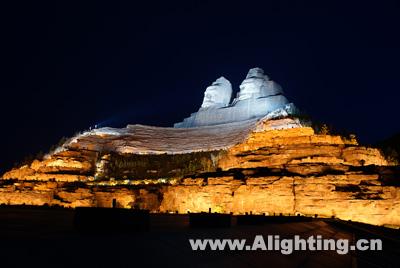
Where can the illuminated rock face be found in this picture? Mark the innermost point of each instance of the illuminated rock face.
(258, 97)
(275, 166)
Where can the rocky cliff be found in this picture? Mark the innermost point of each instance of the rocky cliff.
(268, 166)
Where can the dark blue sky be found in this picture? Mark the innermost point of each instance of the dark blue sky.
(66, 66)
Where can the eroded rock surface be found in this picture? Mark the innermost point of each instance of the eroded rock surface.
(270, 166)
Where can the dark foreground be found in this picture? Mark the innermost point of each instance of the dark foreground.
(45, 237)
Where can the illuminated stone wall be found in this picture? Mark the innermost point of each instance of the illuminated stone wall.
(357, 197)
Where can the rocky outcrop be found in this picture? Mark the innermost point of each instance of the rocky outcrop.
(66, 165)
(279, 166)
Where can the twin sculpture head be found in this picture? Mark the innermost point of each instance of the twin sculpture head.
(218, 94)
(256, 85)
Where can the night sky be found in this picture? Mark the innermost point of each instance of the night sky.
(68, 66)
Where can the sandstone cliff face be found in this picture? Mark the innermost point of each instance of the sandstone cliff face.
(63, 166)
(279, 166)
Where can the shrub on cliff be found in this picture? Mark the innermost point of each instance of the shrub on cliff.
(391, 149)
(164, 165)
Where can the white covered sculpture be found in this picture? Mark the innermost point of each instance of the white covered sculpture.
(257, 85)
(258, 97)
(218, 94)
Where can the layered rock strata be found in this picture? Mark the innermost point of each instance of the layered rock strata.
(271, 166)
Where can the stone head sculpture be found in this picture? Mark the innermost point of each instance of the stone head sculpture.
(257, 85)
(218, 94)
